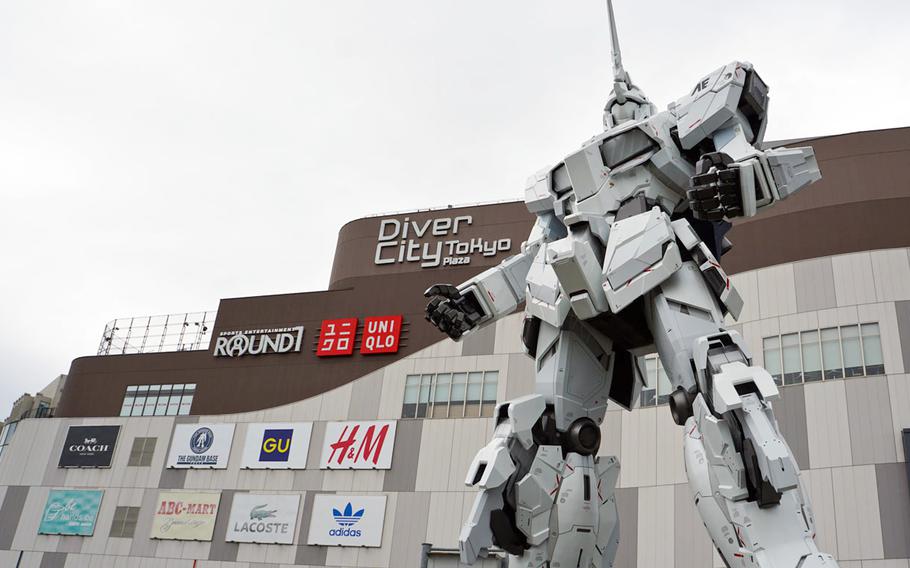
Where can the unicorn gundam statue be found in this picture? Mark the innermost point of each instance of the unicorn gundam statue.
(623, 260)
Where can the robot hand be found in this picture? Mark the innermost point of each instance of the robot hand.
(452, 312)
(716, 193)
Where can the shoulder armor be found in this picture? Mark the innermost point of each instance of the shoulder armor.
(539, 196)
(717, 98)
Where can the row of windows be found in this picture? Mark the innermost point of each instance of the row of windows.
(158, 400)
(827, 353)
(450, 395)
(124, 524)
(793, 358)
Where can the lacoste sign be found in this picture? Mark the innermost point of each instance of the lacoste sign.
(268, 519)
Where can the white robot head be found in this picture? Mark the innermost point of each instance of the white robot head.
(627, 101)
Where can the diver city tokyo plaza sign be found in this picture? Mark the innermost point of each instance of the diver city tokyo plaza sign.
(267, 519)
(89, 446)
(70, 512)
(432, 243)
(185, 515)
(277, 445)
(358, 445)
(347, 520)
(259, 341)
(200, 446)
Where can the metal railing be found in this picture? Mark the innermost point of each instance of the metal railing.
(427, 550)
(156, 334)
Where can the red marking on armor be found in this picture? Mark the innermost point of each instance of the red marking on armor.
(694, 123)
(739, 538)
(599, 494)
(490, 294)
(694, 426)
(558, 481)
(738, 555)
(570, 467)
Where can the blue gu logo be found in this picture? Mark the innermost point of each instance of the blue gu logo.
(346, 519)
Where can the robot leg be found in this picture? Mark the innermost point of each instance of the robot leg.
(545, 497)
(743, 476)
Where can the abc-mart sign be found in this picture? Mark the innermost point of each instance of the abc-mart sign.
(201, 446)
(347, 520)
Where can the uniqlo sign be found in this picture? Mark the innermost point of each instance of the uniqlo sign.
(380, 335)
(336, 337)
(358, 445)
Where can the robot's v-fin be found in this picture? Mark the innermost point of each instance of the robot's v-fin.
(619, 74)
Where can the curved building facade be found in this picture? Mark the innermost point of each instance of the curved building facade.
(334, 428)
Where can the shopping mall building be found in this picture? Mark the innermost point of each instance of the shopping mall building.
(334, 428)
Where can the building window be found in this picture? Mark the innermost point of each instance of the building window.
(124, 524)
(158, 400)
(450, 395)
(142, 452)
(827, 353)
(657, 387)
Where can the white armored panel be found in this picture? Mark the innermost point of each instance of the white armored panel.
(712, 102)
(793, 169)
(544, 299)
(538, 197)
(641, 253)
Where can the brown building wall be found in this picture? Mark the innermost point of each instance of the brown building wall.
(862, 203)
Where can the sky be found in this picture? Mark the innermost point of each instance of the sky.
(157, 156)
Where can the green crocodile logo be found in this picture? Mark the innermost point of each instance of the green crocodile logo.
(258, 513)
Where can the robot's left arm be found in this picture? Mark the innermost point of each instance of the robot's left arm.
(738, 178)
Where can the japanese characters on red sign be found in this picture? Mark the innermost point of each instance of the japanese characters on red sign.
(380, 335)
(336, 337)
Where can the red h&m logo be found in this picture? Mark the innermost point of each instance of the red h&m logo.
(380, 335)
(336, 337)
(358, 445)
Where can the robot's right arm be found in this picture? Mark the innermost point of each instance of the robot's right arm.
(492, 294)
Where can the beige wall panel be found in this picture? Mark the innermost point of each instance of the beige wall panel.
(468, 438)
(611, 436)
(508, 334)
(853, 280)
(639, 448)
(898, 563)
(814, 284)
(827, 426)
(776, 291)
(871, 425)
(891, 274)
(746, 283)
(519, 380)
(381, 557)
(305, 410)
(343, 481)
(655, 527)
(859, 531)
(693, 547)
(899, 391)
(335, 403)
(886, 317)
(365, 396)
(819, 486)
(671, 466)
(435, 455)
(27, 531)
(445, 519)
(393, 389)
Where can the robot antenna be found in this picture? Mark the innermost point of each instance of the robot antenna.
(619, 74)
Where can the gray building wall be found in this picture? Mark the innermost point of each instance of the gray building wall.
(846, 434)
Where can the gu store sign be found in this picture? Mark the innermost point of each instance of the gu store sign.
(259, 341)
(277, 445)
(347, 520)
(185, 515)
(266, 519)
(358, 445)
(89, 446)
(201, 446)
(70, 512)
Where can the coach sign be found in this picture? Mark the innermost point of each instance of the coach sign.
(89, 446)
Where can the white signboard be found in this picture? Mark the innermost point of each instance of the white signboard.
(259, 341)
(358, 445)
(270, 519)
(433, 242)
(277, 446)
(201, 446)
(185, 515)
(347, 520)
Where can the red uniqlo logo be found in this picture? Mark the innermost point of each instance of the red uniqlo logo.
(380, 335)
(336, 337)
